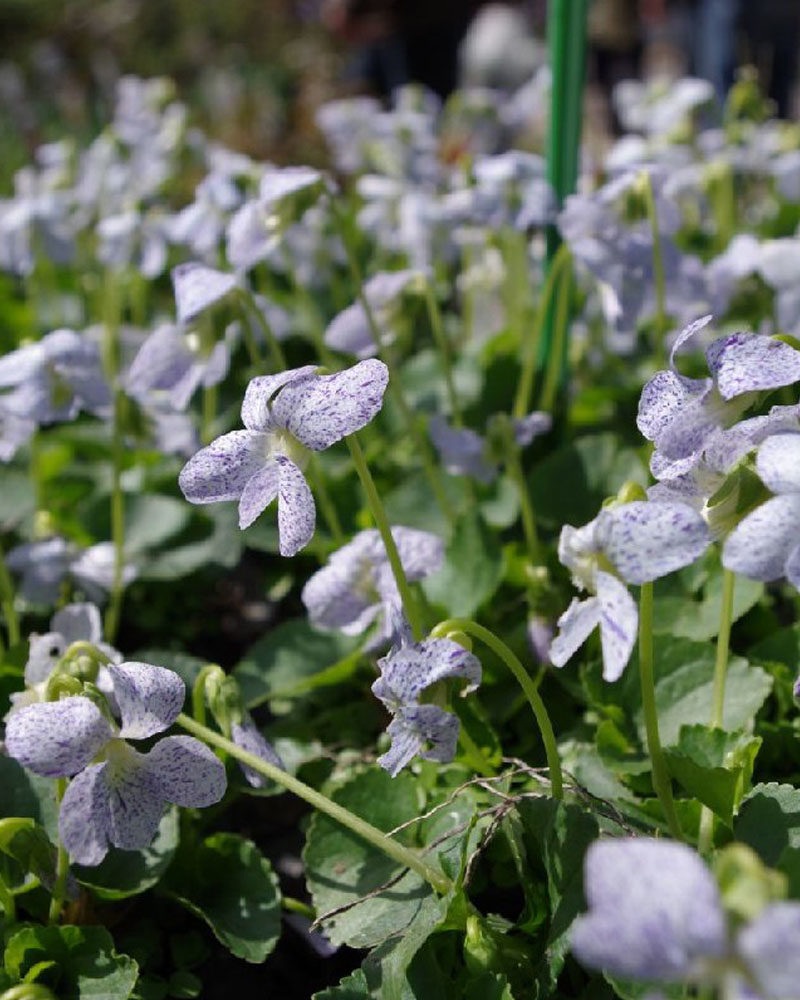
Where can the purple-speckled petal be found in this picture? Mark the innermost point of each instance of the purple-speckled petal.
(574, 628)
(663, 399)
(418, 727)
(654, 909)
(778, 463)
(149, 698)
(649, 540)
(686, 333)
(421, 552)
(135, 801)
(256, 412)
(163, 362)
(197, 287)
(297, 514)
(339, 594)
(246, 734)
(759, 545)
(532, 426)
(619, 622)
(322, 409)
(792, 568)
(84, 820)
(221, 470)
(769, 946)
(462, 451)
(748, 362)
(57, 738)
(259, 492)
(408, 671)
(186, 771)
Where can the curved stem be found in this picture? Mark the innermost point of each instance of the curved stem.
(439, 335)
(403, 855)
(524, 680)
(661, 779)
(62, 867)
(659, 280)
(292, 905)
(555, 361)
(522, 399)
(382, 524)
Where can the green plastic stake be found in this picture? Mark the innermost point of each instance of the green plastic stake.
(566, 39)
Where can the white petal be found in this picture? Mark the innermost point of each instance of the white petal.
(778, 463)
(619, 620)
(149, 698)
(57, 738)
(648, 540)
(574, 628)
(260, 491)
(221, 470)
(85, 819)
(186, 772)
(197, 287)
(759, 545)
(297, 514)
(256, 414)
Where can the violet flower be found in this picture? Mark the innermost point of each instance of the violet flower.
(635, 543)
(423, 729)
(117, 795)
(284, 415)
(357, 587)
(464, 452)
(350, 331)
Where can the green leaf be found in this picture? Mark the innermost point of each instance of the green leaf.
(228, 883)
(472, 569)
(769, 821)
(287, 657)
(714, 766)
(220, 545)
(680, 616)
(412, 503)
(17, 498)
(489, 986)
(569, 485)
(26, 794)
(86, 967)
(353, 987)
(28, 844)
(559, 835)
(127, 873)
(341, 867)
(780, 646)
(150, 519)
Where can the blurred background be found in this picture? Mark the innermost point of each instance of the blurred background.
(253, 71)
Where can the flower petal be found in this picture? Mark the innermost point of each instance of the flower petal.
(197, 287)
(150, 698)
(778, 463)
(416, 727)
(44, 652)
(462, 451)
(259, 492)
(135, 801)
(161, 363)
(574, 628)
(769, 947)
(246, 734)
(322, 409)
(256, 414)
(84, 820)
(619, 620)
(688, 331)
(648, 540)
(186, 772)
(57, 738)
(759, 545)
(531, 426)
(664, 397)
(221, 470)
(654, 908)
(408, 671)
(748, 362)
(338, 594)
(77, 622)
(297, 514)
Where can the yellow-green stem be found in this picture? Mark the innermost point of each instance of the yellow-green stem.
(7, 602)
(250, 307)
(7, 902)
(555, 360)
(515, 470)
(62, 867)
(522, 400)
(661, 779)
(403, 855)
(292, 905)
(659, 281)
(442, 343)
(410, 604)
(524, 680)
(117, 523)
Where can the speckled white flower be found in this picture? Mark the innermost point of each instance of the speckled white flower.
(117, 795)
(283, 416)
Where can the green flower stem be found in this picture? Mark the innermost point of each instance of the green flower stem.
(525, 682)
(278, 358)
(661, 779)
(515, 470)
(439, 335)
(706, 832)
(325, 502)
(474, 754)
(113, 307)
(7, 602)
(522, 400)
(199, 692)
(62, 867)
(292, 905)
(403, 855)
(555, 359)
(381, 522)
(658, 271)
(395, 386)
(8, 903)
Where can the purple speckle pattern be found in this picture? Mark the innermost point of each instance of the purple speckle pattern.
(149, 698)
(408, 671)
(619, 621)
(256, 413)
(222, 469)
(246, 734)
(135, 805)
(750, 362)
(575, 626)
(297, 513)
(57, 738)
(85, 818)
(259, 492)
(654, 910)
(185, 771)
(758, 547)
(197, 287)
(649, 540)
(778, 463)
(320, 410)
(426, 730)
